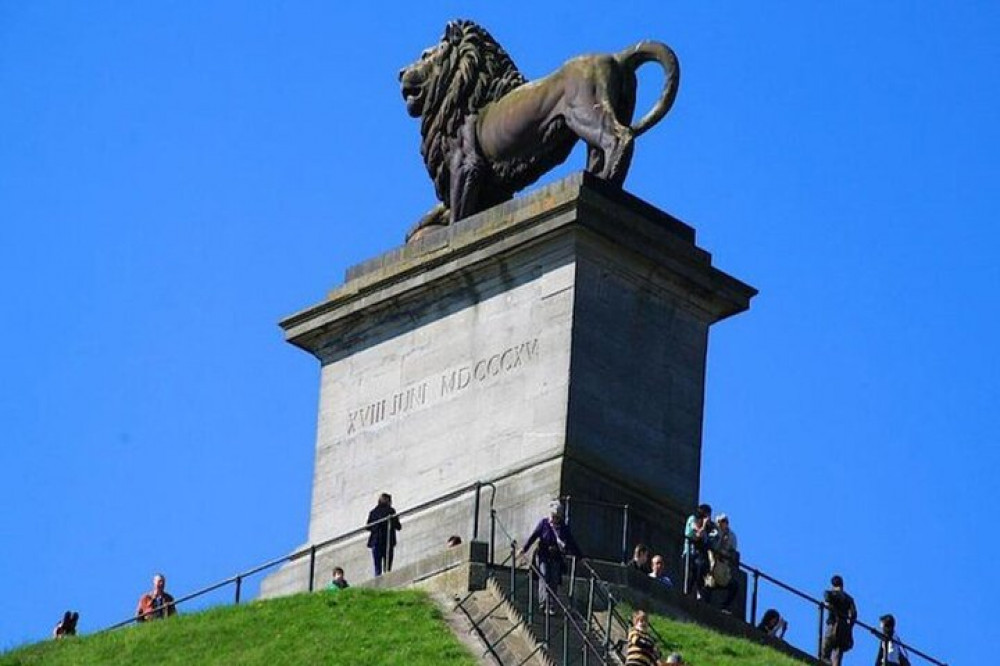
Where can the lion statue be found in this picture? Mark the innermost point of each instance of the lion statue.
(486, 132)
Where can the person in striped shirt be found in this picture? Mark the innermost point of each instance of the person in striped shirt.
(641, 650)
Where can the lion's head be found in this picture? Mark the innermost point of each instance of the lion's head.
(462, 73)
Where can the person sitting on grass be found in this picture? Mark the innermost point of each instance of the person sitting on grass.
(66, 626)
(338, 582)
(641, 649)
(773, 624)
(157, 604)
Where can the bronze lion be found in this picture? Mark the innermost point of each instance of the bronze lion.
(486, 132)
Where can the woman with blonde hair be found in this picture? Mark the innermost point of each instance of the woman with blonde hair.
(641, 649)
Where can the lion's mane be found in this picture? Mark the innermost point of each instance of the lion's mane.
(469, 75)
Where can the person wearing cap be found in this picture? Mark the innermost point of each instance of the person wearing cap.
(890, 650)
(555, 542)
(723, 558)
(842, 613)
(676, 658)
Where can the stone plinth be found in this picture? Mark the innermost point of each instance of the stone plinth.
(558, 341)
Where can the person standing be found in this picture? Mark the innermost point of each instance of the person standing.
(382, 527)
(841, 616)
(890, 650)
(555, 542)
(157, 604)
(696, 531)
(723, 557)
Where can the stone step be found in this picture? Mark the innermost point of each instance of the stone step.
(504, 639)
(560, 636)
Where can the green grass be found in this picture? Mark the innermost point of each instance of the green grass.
(352, 627)
(704, 647)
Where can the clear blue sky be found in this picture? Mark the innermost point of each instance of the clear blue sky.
(176, 177)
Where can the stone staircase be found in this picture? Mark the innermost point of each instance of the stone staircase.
(508, 621)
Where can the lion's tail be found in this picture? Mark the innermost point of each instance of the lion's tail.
(653, 51)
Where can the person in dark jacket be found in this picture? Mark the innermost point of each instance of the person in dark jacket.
(555, 541)
(640, 560)
(840, 618)
(382, 527)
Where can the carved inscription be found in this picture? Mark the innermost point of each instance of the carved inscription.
(506, 361)
(450, 382)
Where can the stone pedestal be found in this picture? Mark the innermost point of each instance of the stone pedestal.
(557, 342)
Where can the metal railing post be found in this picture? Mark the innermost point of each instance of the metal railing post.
(687, 569)
(753, 599)
(475, 514)
(312, 567)
(531, 600)
(625, 557)
(590, 602)
(493, 536)
(572, 577)
(819, 645)
(607, 625)
(387, 561)
(239, 584)
(513, 573)
(548, 621)
(565, 645)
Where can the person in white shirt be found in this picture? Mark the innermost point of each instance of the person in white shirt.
(890, 643)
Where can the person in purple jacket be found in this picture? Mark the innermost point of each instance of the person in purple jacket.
(555, 542)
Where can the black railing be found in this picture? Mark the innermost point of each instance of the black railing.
(754, 574)
(572, 622)
(312, 550)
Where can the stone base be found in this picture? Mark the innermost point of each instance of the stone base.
(557, 341)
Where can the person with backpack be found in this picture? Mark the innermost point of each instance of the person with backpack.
(723, 561)
(890, 650)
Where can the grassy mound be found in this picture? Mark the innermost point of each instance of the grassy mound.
(704, 647)
(349, 627)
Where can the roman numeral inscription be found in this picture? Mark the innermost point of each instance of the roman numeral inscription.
(450, 382)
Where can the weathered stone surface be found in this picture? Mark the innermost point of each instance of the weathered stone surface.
(558, 341)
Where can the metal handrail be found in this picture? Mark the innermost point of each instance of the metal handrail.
(312, 549)
(566, 611)
(757, 574)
